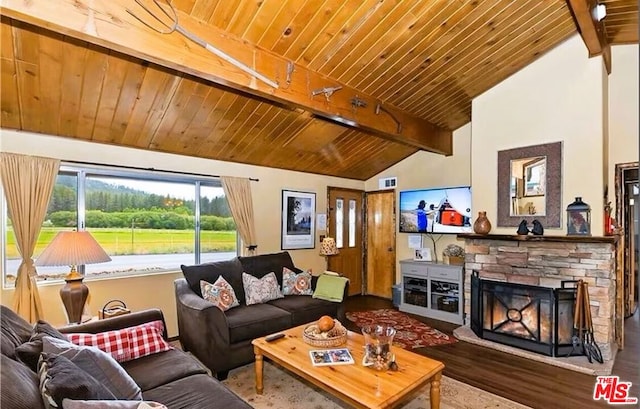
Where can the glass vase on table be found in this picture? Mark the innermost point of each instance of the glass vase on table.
(377, 346)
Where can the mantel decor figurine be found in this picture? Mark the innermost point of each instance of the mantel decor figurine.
(523, 228)
(482, 225)
(538, 229)
(578, 218)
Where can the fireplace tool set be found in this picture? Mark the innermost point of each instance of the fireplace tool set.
(583, 337)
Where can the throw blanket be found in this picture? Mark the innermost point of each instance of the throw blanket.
(330, 287)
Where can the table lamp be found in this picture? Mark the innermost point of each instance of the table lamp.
(73, 248)
(328, 248)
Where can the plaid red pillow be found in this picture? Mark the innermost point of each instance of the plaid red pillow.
(128, 343)
(147, 339)
(114, 342)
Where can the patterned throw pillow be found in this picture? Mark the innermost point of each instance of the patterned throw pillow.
(220, 293)
(127, 343)
(296, 284)
(146, 339)
(114, 342)
(261, 290)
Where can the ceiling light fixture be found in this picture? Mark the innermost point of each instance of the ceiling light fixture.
(599, 12)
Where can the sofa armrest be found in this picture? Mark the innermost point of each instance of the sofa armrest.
(115, 323)
(342, 310)
(203, 327)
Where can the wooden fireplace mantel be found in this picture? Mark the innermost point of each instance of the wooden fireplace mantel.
(517, 237)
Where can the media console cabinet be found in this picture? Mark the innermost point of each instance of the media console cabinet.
(433, 290)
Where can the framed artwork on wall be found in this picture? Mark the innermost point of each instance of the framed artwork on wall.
(298, 220)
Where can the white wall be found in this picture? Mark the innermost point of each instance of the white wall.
(157, 290)
(623, 111)
(426, 170)
(564, 96)
(557, 98)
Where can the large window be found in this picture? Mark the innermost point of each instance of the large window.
(146, 221)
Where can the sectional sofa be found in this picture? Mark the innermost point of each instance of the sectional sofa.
(171, 377)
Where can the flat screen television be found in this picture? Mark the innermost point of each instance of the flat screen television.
(439, 210)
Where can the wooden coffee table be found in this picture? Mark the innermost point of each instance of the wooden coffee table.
(357, 385)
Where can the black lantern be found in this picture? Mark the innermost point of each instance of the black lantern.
(578, 218)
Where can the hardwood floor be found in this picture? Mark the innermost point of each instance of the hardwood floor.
(538, 385)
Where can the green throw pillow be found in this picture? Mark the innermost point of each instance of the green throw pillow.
(330, 288)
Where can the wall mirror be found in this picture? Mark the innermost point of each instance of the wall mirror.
(529, 185)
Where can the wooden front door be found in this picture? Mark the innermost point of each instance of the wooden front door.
(381, 242)
(345, 223)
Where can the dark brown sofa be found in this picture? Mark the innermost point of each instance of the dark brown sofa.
(172, 378)
(222, 340)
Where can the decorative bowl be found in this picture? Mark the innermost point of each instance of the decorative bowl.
(334, 337)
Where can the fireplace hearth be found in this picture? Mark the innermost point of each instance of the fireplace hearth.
(534, 318)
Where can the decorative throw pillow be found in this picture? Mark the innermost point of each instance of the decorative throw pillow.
(60, 378)
(115, 343)
(146, 339)
(261, 290)
(29, 352)
(110, 404)
(219, 293)
(296, 284)
(127, 343)
(330, 287)
(98, 364)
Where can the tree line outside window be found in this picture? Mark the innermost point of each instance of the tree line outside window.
(147, 222)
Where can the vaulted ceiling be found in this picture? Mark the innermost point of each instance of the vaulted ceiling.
(356, 85)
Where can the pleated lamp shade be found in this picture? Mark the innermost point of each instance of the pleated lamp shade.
(73, 248)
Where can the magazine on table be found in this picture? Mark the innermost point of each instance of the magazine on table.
(339, 356)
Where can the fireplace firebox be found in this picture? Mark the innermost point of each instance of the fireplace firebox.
(534, 318)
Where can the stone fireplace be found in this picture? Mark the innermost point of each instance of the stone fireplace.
(549, 262)
(535, 318)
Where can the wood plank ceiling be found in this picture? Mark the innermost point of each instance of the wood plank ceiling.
(426, 58)
(621, 23)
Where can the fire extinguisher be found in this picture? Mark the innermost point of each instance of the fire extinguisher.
(609, 222)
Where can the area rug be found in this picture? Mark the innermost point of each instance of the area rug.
(283, 390)
(410, 333)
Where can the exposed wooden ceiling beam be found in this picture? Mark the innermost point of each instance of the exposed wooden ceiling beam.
(107, 23)
(591, 30)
